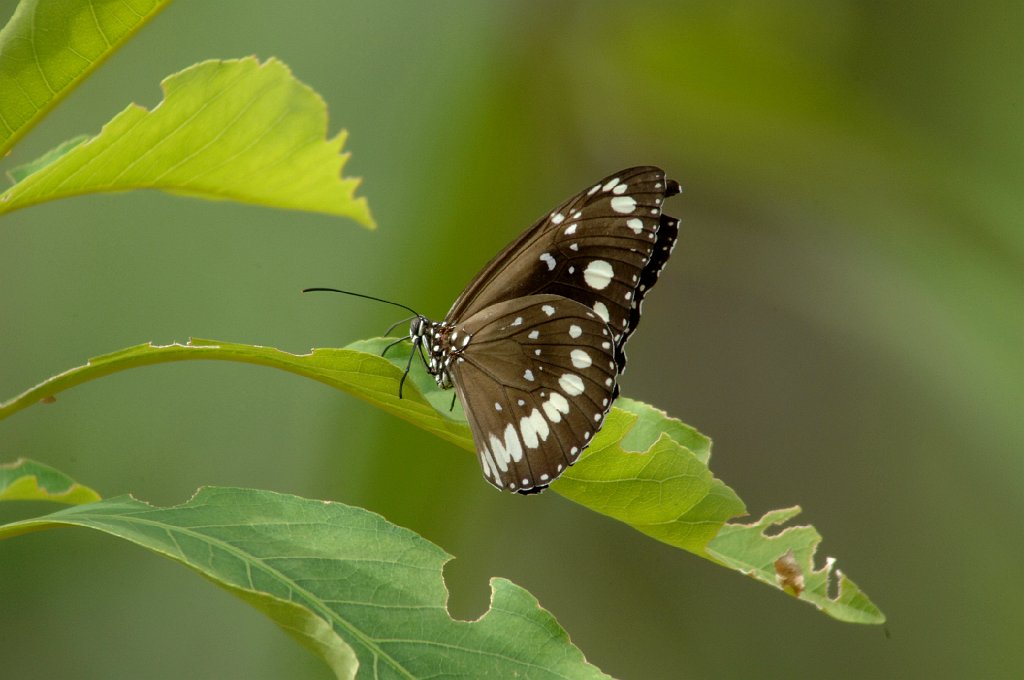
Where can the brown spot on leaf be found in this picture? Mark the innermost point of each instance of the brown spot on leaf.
(789, 574)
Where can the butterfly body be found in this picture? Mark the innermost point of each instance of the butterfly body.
(534, 345)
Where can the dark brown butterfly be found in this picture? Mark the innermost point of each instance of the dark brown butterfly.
(534, 345)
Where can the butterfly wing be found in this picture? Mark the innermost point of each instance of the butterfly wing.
(603, 248)
(536, 379)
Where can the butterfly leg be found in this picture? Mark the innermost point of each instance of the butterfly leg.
(408, 365)
(392, 345)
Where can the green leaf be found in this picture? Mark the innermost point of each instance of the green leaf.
(663, 490)
(27, 480)
(745, 547)
(22, 171)
(364, 375)
(49, 46)
(226, 130)
(366, 595)
(643, 468)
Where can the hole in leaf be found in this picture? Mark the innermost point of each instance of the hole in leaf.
(832, 577)
(469, 596)
(773, 530)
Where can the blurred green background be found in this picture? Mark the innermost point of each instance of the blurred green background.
(843, 317)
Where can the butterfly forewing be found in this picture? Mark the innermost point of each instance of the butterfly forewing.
(537, 377)
(597, 248)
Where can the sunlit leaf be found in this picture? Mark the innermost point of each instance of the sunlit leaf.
(22, 171)
(49, 46)
(233, 130)
(643, 468)
(27, 480)
(365, 375)
(364, 594)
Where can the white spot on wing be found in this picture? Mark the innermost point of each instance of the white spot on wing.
(499, 452)
(555, 406)
(572, 384)
(580, 359)
(557, 218)
(518, 321)
(534, 335)
(490, 464)
(571, 229)
(624, 204)
(548, 309)
(598, 274)
(497, 406)
(534, 428)
(636, 224)
(528, 374)
(512, 445)
(539, 424)
(547, 259)
(611, 183)
(620, 189)
(601, 311)
(575, 331)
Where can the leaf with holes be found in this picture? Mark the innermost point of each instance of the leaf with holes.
(365, 595)
(644, 468)
(226, 130)
(49, 47)
(746, 548)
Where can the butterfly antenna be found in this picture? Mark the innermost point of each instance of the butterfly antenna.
(368, 297)
(416, 341)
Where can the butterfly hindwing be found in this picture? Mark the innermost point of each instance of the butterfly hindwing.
(536, 379)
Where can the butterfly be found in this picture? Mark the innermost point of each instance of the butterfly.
(534, 344)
